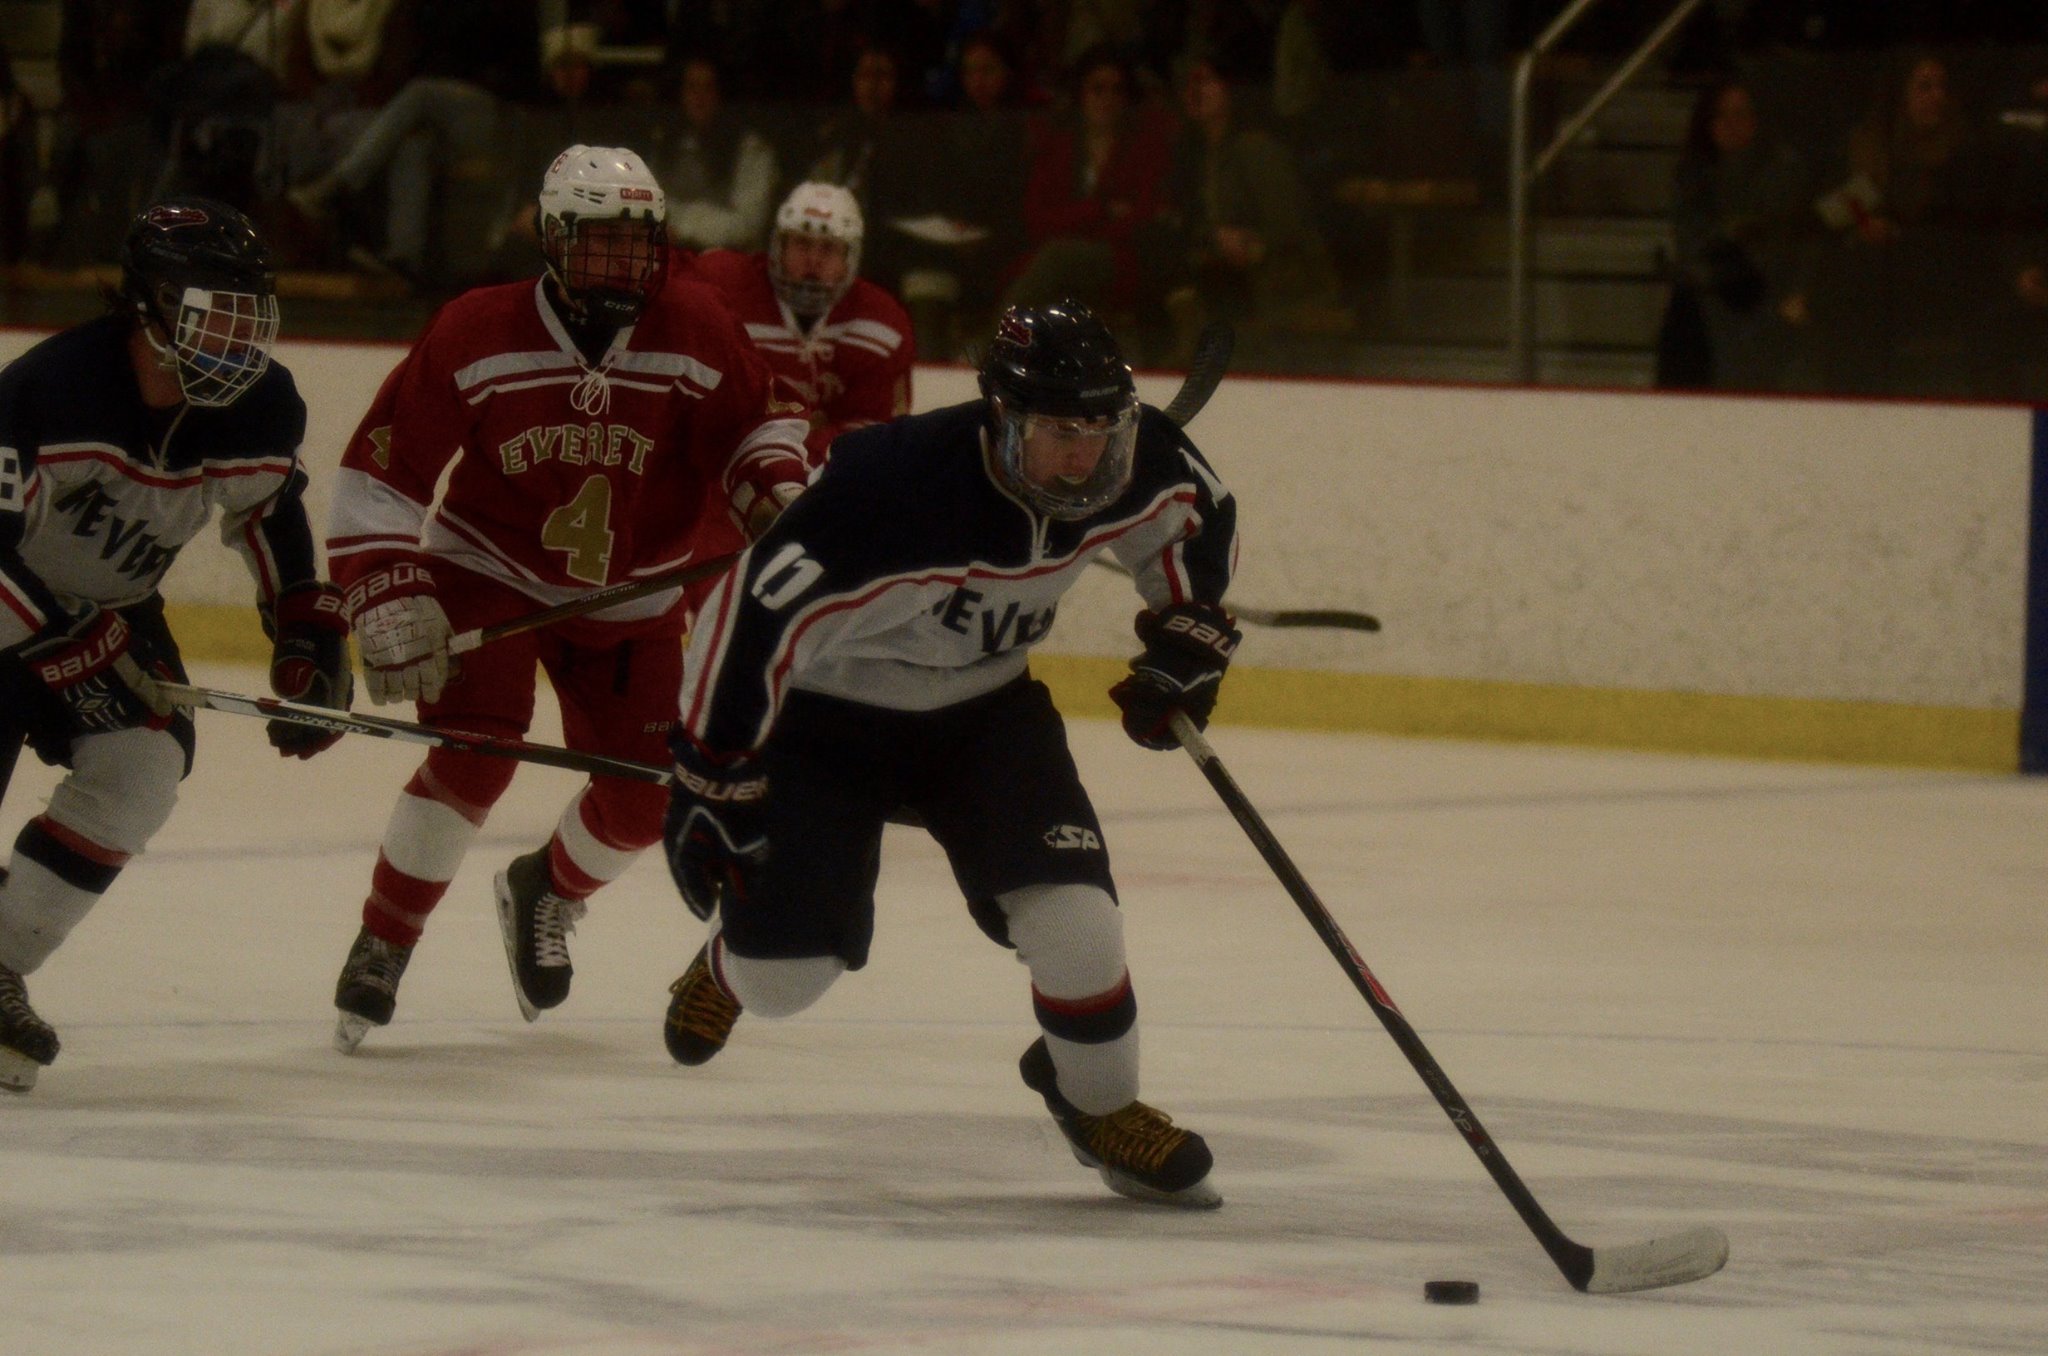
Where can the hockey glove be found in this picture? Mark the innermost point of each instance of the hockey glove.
(1187, 648)
(308, 630)
(89, 668)
(755, 507)
(714, 832)
(402, 634)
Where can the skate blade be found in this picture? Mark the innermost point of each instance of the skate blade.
(508, 929)
(349, 1031)
(17, 1071)
(1200, 1196)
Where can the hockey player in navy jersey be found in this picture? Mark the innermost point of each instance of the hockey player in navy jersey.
(118, 440)
(869, 653)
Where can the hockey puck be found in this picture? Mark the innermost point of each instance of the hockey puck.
(1451, 1292)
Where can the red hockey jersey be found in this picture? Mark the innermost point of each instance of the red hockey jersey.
(853, 369)
(566, 477)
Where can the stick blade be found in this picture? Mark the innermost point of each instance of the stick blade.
(1676, 1260)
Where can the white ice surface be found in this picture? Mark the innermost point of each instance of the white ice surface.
(1805, 1004)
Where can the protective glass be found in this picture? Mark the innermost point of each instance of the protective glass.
(1063, 466)
(222, 342)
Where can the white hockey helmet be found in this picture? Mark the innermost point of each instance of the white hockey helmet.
(816, 209)
(607, 281)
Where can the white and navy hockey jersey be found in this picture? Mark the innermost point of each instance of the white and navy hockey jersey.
(98, 493)
(907, 578)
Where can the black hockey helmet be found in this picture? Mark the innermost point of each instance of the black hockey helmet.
(1059, 369)
(197, 271)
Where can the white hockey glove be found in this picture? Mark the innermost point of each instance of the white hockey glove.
(401, 633)
(755, 508)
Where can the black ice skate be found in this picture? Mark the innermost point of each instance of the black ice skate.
(1137, 1149)
(26, 1041)
(700, 1015)
(367, 991)
(536, 923)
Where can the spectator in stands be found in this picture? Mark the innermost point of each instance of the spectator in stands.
(1096, 186)
(1904, 282)
(17, 163)
(105, 157)
(872, 150)
(975, 178)
(719, 173)
(1252, 252)
(1739, 223)
(532, 134)
(271, 33)
(472, 54)
(215, 112)
(1471, 39)
(2017, 341)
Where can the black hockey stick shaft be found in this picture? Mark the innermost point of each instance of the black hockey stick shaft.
(1319, 618)
(1575, 1260)
(1205, 370)
(462, 642)
(1212, 359)
(405, 731)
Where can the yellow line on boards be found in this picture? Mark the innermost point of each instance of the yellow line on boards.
(1963, 738)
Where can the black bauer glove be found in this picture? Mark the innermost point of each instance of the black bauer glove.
(714, 831)
(88, 666)
(1187, 648)
(308, 630)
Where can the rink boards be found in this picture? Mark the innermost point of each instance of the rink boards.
(1785, 578)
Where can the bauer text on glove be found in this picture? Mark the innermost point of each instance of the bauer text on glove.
(1187, 648)
(87, 665)
(714, 829)
(401, 633)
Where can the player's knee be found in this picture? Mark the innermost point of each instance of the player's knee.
(466, 781)
(779, 987)
(1071, 937)
(625, 815)
(121, 789)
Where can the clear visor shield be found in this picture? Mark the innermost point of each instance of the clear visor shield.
(1068, 467)
(222, 343)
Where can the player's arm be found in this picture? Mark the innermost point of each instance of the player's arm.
(413, 429)
(792, 598)
(1181, 559)
(304, 616)
(27, 606)
(768, 464)
(82, 657)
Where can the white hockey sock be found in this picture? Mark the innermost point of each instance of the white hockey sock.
(1071, 938)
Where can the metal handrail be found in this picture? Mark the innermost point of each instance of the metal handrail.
(1522, 174)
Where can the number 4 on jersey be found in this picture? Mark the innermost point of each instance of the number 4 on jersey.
(582, 528)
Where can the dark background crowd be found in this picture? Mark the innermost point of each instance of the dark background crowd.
(1859, 204)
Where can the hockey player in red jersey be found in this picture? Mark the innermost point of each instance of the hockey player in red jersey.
(839, 344)
(604, 423)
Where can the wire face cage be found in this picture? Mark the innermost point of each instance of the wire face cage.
(223, 342)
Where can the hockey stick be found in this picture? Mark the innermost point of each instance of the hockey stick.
(1672, 1260)
(462, 642)
(349, 722)
(1322, 618)
(1205, 370)
(1212, 359)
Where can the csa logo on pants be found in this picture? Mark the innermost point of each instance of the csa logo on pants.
(1072, 836)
